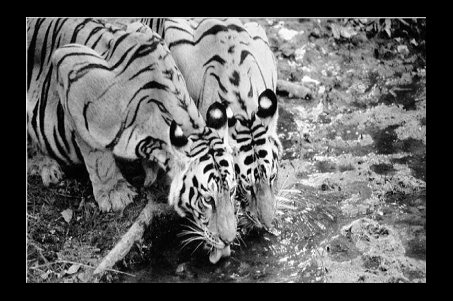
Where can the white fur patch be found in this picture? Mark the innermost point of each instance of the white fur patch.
(179, 132)
(265, 103)
(216, 114)
(229, 112)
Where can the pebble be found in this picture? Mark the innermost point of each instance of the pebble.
(181, 268)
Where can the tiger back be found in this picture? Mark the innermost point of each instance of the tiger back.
(96, 92)
(229, 62)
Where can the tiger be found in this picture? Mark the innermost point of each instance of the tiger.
(96, 92)
(231, 63)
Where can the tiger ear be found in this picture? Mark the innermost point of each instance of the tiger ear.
(217, 119)
(178, 140)
(267, 108)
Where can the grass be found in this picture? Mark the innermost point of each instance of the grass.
(54, 244)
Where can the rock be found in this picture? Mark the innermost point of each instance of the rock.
(286, 34)
(402, 49)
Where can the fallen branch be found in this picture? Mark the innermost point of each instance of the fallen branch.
(293, 90)
(134, 234)
(76, 263)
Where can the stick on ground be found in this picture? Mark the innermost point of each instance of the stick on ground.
(134, 234)
(293, 90)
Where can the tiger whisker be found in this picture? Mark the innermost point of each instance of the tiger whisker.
(239, 239)
(197, 247)
(191, 239)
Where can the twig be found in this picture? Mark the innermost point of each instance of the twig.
(294, 90)
(135, 233)
(81, 264)
(39, 251)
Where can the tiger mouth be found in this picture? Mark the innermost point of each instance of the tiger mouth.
(215, 246)
(218, 253)
(248, 222)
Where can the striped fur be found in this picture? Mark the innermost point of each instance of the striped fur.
(229, 62)
(96, 92)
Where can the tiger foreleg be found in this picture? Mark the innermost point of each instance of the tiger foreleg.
(151, 169)
(110, 189)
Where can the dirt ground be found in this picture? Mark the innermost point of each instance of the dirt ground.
(351, 184)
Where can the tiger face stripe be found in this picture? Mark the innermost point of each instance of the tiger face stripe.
(97, 91)
(231, 63)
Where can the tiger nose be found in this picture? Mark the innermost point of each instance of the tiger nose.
(227, 230)
(226, 218)
(265, 204)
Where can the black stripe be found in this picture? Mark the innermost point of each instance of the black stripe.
(61, 126)
(211, 31)
(78, 28)
(85, 107)
(195, 182)
(262, 153)
(205, 157)
(55, 34)
(31, 51)
(260, 38)
(84, 70)
(34, 122)
(76, 147)
(235, 78)
(259, 141)
(60, 148)
(244, 54)
(75, 54)
(208, 168)
(240, 140)
(203, 149)
(92, 33)
(97, 41)
(141, 51)
(224, 163)
(191, 193)
(220, 84)
(137, 107)
(215, 58)
(248, 160)
(150, 85)
(241, 101)
(178, 28)
(42, 113)
(245, 148)
(117, 43)
(44, 49)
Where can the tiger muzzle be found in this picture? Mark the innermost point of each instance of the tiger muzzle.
(263, 205)
(225, 224)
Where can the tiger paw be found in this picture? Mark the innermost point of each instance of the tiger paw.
(48, 168)
(117, 198)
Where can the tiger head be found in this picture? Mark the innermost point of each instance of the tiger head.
(204, 183)
(256, 150)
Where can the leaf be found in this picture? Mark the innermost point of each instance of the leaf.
(67, 215)
(342, 31)
(388, 26)
(414, 42)
(73, 269)
(404, 22)
(45, 275)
